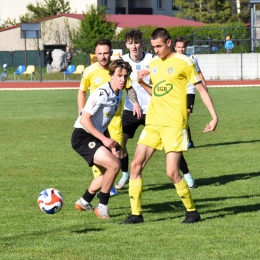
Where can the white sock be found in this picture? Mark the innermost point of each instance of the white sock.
(188, 175)
(83, 201)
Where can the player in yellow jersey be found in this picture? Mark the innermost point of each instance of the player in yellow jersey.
(166, 122)
(96, 75)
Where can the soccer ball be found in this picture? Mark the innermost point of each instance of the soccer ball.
(50, 201)
(5, 66)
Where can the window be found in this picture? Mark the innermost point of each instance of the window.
(159, 4)
(131, 3)
(104, 2)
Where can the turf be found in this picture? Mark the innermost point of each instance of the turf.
(35, 133)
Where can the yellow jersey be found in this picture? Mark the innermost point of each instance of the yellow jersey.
(93, 77)
(170, 77)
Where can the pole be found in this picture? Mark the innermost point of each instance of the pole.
(25, 51)
(39, 57)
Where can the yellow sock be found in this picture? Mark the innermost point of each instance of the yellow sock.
(184, 192)
(135, 195)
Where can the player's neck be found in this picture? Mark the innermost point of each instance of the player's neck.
(115, 89)
(137, 57)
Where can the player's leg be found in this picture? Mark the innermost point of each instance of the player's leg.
(130, 125)
(108, 161)
(124, 166)
(186, 173)
(191, 100)
(116, 133)
(148, 142)
(173, 157)
(80, 141)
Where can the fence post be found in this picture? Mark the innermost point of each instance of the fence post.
(241, 54)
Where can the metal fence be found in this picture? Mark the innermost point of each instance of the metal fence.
(202, 41)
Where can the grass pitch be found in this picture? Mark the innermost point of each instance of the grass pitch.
(35, 131)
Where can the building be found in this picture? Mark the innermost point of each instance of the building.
(54, 31)
(163, 7)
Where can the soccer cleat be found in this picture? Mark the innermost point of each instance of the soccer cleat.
(113, 192)
(80, 206)
(191, 217)
(102, 211)
(190, 181)
(133, 219)
(122, 182)
(190, 145)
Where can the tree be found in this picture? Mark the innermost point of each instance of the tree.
(93, 27)
(45, 9)
(213, 11)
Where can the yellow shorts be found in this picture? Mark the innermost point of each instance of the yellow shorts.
(159, 137)
(115, 127)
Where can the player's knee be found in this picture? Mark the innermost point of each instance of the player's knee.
(115, 166)
(173, 174)
(136, 169)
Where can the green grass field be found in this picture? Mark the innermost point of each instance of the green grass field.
(35, 131)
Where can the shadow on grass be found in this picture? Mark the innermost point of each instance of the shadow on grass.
(7, 240)
(218, 180)
(227, 143)
(87, 230)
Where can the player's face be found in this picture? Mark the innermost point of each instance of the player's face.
(103, 54)
(134, 46)
(162, 49)
(119, 79)
(180, 47)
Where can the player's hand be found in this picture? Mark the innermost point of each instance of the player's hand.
(137, 110)
(142, 74)
(211, 126)
(110, 143)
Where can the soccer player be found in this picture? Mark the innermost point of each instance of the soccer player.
(166, 122)
(180, 46)
(90, 141)
(138, 59)
(96, 75)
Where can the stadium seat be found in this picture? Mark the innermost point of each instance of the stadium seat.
(70, 70)
(30, 70)
(20, 70)
(79, 70)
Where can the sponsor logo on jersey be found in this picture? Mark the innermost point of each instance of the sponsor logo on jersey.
(154, 70)
(91, 145)
(101, 93)
(170, 70)
(162, 88)
(138, 67)
(98, 80)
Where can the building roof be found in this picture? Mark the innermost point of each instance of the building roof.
(132, 20)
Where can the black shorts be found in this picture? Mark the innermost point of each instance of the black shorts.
(85, 144)
(131, 123)
(191, 100)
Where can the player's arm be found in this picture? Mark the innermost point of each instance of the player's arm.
(133, 97)
(86, 122)
(211, 126)
(140, 75)
(203, 79)
(81, 100)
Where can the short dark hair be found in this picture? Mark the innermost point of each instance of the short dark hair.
(181, 39)
(160, 33)
(133, 34)
(119, 63)
(104, 41)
